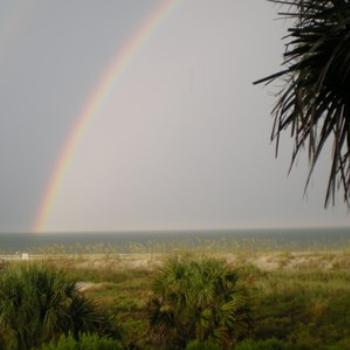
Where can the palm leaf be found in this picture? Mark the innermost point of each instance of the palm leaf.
(315, 100)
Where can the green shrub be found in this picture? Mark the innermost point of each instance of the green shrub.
(195, 345)
(198, 300)
(269, 344)
(86, 342)
(342, 345)
(63, 343)
(38, 304)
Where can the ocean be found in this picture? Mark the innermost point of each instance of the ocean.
(162, 242)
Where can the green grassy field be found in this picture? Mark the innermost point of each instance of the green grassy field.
(300, 298)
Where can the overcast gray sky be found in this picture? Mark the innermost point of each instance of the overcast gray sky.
(181, 142)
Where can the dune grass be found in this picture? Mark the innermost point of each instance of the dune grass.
(304, 298)
(298, 298)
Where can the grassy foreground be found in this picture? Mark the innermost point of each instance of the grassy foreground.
(297, 301)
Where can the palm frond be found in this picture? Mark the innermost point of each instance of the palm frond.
(315, 101)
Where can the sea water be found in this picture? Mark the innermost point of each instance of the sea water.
(165, 241)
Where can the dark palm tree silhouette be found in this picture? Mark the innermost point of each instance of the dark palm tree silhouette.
(314, 102)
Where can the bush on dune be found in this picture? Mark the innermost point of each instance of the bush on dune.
(269, 344)
(195, 345)
(198, 300)
(85, 342)
(276, 344)
(38, 304)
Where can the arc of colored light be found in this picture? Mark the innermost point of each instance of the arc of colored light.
(94, 104)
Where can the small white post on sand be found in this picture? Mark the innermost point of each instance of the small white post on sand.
(25, 256)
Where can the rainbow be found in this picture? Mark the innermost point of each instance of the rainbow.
(92, 106)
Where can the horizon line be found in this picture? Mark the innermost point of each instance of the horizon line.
(180, 230)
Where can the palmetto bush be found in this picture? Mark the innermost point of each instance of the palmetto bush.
(314, 102)
(198, 300)
(38, 304)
